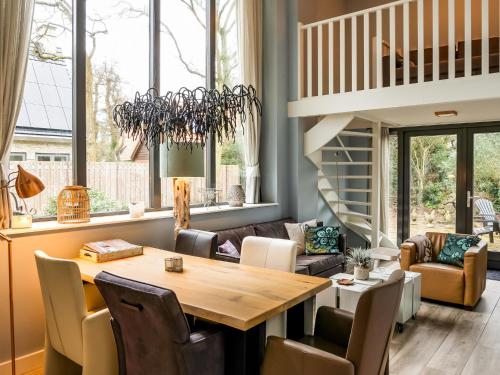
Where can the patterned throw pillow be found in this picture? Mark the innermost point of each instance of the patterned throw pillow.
(229, 249)
(455, 247)
(322, 240)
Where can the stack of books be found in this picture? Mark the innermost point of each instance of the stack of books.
(104, 251)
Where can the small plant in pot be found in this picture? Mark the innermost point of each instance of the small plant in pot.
(361, 259)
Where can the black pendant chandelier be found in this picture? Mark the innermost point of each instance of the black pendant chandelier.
(187, 117)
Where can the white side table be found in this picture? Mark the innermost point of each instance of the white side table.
(346, 297)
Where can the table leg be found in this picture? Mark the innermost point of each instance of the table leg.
(300, 319)
(244, 350)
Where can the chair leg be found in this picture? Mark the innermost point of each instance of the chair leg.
(492, 240)
(57, 364)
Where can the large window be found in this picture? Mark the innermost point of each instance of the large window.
(43, 129)
(65, 133)
(230, 158)
(116, 66)
(183, 64)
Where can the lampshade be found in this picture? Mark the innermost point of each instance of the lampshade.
(181, 162)
(27, 184)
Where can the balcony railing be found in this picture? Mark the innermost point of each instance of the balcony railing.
(401, 43)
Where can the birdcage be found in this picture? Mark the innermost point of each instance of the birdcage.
(73, 205)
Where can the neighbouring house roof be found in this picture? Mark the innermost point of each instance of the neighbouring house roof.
(46, 104)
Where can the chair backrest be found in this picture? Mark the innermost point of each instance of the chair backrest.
(149, 322)
(270, 253)
(196, 242)
(373, 325)
(64, 302)
(485, 208)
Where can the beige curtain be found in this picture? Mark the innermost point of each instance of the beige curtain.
(250, 59)
(385, 179)
(15, 30)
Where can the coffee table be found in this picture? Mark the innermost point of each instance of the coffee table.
(346, 297)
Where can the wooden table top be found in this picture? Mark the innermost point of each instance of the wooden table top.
(232, 294)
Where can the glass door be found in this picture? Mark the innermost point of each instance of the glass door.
(432, 183)
(483, 185)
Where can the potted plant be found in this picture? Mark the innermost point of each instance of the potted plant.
(361, 259)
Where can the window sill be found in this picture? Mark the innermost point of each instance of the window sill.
(99, 221)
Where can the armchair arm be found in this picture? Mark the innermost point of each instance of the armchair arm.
(292, 358)
(408, 255)
(475, 266)
(204, 353)
(334, 325)
(99, 347)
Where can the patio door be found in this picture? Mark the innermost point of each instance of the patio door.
(449, 180)
(483, 184)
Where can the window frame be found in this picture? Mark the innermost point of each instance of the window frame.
(52, 156)
(79, 124)
(23, 155)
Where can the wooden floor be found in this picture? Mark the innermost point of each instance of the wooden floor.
(450, 340)
(447, 340)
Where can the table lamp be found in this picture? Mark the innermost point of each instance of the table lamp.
(27, 185)
(181, 162)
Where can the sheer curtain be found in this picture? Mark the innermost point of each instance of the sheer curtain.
(385, 179)
(250, 59)
(15, 30)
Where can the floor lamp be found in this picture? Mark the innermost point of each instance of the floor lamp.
(27, 185)
(181, 162)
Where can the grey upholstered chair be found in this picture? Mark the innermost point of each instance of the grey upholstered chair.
(152, 334)
(343, 343)
(196, 242)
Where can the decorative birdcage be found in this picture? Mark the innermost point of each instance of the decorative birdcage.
(73, 205)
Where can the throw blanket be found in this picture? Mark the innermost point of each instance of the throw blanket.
(424, 248)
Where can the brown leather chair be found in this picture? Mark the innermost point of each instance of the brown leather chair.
(447, 283)
(151, 332)
(343, 343)
(197, 243)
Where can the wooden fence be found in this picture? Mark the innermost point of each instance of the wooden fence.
(122, 182)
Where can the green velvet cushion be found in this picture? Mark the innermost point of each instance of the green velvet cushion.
(455, 247)
(321, 240)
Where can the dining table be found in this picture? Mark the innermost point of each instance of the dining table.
(239, 298)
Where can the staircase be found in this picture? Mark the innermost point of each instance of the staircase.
(348, 173)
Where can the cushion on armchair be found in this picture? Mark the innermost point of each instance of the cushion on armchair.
(455, 247)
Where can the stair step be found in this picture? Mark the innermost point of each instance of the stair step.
(347, 162)
(352, 203)
(347, 148)
(355, 190)
(348, 133)
(355, 214)
(354, 177)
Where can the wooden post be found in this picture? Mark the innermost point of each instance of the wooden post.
(181, 205)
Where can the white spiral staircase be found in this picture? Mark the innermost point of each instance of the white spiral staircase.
(348, 175)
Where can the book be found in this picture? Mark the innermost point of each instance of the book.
(104, 251)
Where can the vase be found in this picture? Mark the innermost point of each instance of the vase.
(236, 196)
(361, 273)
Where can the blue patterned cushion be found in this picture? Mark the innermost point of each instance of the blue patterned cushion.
(455, 247)
(322, 240)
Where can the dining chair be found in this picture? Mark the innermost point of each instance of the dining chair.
(78, 340)
(343, 343)
(152, 334)
(196, 242)
(272, 253)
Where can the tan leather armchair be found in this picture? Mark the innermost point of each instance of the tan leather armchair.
(343, 343)
(79, 338)
(447, 283)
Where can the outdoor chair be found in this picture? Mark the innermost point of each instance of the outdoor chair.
(487, 216)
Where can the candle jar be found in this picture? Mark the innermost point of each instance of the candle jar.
(178, 263)
(169, 264)
(136, 209)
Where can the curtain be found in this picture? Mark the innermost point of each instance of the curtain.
(385, 179)
(15, 30)
(250, 59)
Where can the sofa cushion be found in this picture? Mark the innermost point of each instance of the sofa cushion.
(296, 233)
(303, 270)
(441, 282)
(235, 235)
(322, 240)
(320, 263)
(273, 229)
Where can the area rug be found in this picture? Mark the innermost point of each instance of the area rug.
(493, 275)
